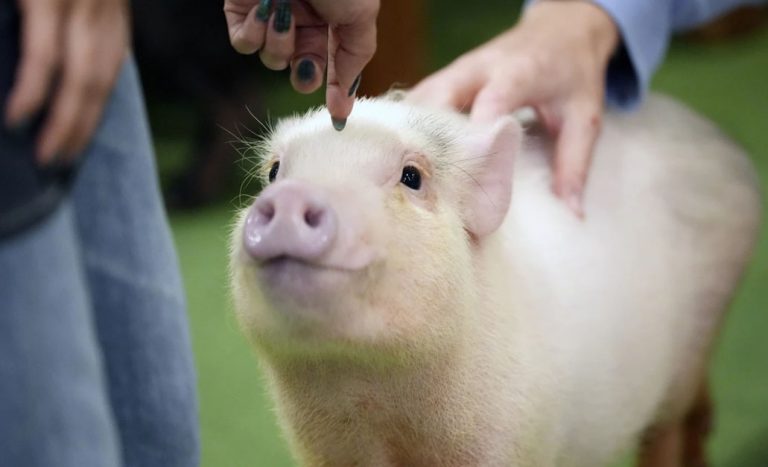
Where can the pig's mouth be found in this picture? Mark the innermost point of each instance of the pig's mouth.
(298, 279)
(288, 261)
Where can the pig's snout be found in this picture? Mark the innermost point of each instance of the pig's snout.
(290, 219)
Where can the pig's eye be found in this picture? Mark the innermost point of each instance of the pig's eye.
(411, 177)
(273, 171)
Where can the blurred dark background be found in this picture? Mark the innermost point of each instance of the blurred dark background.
(198, 89)
(203, 97)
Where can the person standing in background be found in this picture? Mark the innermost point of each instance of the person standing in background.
(95, 359)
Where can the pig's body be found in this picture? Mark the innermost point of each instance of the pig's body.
(550, 341)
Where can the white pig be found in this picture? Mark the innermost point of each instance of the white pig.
(419, 297)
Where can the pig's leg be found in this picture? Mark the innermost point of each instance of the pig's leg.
(697, 425)
(662, 446)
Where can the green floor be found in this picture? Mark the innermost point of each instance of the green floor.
(727, 82)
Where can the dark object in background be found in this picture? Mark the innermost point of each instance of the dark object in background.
(737, 23)
(185, 59)
(400, 58)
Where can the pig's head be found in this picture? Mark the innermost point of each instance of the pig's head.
(364, 242)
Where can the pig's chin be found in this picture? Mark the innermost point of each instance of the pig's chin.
(290, 280)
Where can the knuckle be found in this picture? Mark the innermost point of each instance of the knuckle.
(273, 62)
(90, 85)
(593, 118)
(245, 43)
(589, 114)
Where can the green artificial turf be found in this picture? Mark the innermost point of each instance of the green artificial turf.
(727, 82)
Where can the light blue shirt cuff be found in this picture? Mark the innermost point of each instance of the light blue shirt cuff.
(646, 27)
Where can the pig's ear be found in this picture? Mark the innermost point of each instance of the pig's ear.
(493, 151)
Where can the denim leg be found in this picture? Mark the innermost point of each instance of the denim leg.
(54, 409)
(135, 288)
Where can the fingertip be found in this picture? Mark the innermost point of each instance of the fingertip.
(574, 199)
(571, 193)
(12, 117)
(46, 152)
(23, 103)
(339, 103)
(339, 123)
(244, 47)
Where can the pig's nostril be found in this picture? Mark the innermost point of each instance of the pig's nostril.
(266, 213)
(314, 217)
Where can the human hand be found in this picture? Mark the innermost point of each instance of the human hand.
(71, 53)
(309, 35)
(555, 61)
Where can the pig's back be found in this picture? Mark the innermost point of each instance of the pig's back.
(629, 299)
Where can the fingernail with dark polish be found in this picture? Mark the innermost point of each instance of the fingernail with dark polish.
(339, 123)
(355, 85)
(305, 71)
(282, 16)
(262, 12)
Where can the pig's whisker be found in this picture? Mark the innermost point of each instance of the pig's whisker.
(237, 138)
(468, 159)
(265, 125)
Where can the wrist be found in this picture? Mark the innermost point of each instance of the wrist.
(585, 17)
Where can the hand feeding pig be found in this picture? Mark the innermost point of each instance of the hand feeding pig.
(418, 297)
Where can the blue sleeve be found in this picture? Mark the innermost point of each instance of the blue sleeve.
(646, 27)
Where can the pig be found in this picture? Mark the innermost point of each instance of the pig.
(417, 296)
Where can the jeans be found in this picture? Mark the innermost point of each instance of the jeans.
(95, 360)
